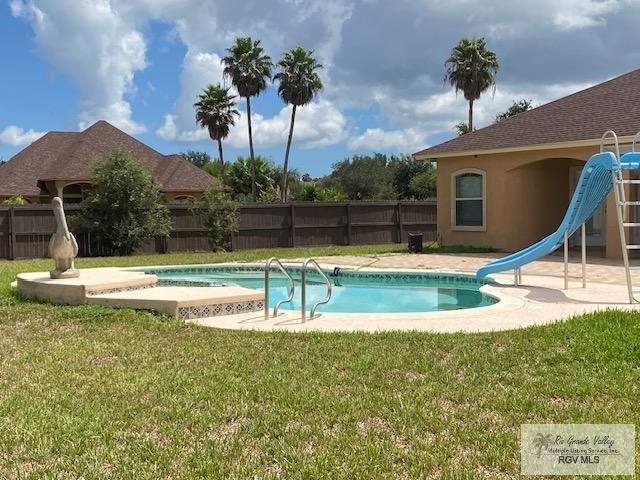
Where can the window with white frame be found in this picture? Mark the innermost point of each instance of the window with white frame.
(468, 206)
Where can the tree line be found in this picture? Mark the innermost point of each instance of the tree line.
(361, 177)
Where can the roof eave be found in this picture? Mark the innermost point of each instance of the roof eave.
(520, 148)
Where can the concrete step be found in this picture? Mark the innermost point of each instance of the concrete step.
(185, 302)
(74, 291)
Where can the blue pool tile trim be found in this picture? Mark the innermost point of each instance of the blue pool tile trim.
(382, 277)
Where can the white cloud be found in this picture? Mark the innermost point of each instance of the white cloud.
(198, 70)
(377, 139)
(96, 47)
(575, 14)
(318, 125)
(440, 112)
(204, 27)
(18, 137)
(169, 129)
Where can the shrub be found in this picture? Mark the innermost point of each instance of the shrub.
(406, 170)
(423, 185)
(125, 206)
(15, 200)
(214, 169)
(238, 177)
(270, 194)
(314, 193)
(219, 213)
(363, 177)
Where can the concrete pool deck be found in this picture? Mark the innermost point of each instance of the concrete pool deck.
(539, 300)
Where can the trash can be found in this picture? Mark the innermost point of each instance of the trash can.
(415, 242)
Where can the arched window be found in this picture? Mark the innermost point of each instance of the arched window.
(468, 202)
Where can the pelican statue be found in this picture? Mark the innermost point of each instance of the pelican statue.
(63, 247)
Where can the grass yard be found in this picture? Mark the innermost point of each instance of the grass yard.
(96, 393)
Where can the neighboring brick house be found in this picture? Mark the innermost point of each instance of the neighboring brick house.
(508, 185)
(60, 164)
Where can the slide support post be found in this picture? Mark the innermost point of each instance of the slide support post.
(566, 261)
(583, 229)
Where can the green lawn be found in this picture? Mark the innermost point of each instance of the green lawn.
(97, 393)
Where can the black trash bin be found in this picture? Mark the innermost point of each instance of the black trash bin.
(415, 242)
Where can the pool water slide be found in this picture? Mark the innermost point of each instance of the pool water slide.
(594, 185)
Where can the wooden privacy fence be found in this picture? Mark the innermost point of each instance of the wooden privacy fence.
(25, 230)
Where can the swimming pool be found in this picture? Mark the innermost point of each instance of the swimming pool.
(353, 291)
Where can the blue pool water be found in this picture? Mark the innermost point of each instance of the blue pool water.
(353, 292)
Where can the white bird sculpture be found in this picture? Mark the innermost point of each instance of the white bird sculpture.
(63, 247)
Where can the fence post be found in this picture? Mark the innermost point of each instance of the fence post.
(12, 234)
(349, 223)
(293, 225)
(399, 213)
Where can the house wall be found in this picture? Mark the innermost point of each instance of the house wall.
(527, 194)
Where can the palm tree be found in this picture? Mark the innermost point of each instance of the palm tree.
(471, 69)
(248, 68)
(299, 83)
(215, 111)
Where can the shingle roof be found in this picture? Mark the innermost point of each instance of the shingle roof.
(72, 156)
(584, 115)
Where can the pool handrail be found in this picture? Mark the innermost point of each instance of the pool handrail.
(305, 265)
(616, 144)
(292, 287)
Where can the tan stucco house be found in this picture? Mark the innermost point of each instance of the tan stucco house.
(60, 164)
(508, 185)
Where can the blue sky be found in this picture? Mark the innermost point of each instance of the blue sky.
(140, 63)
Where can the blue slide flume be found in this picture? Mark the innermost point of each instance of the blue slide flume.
(592, 190)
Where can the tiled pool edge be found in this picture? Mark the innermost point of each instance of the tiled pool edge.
(345, 272)
(219, 309)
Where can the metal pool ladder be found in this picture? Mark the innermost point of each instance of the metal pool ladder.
(292, 287)
(622, 203)
(305, 265)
